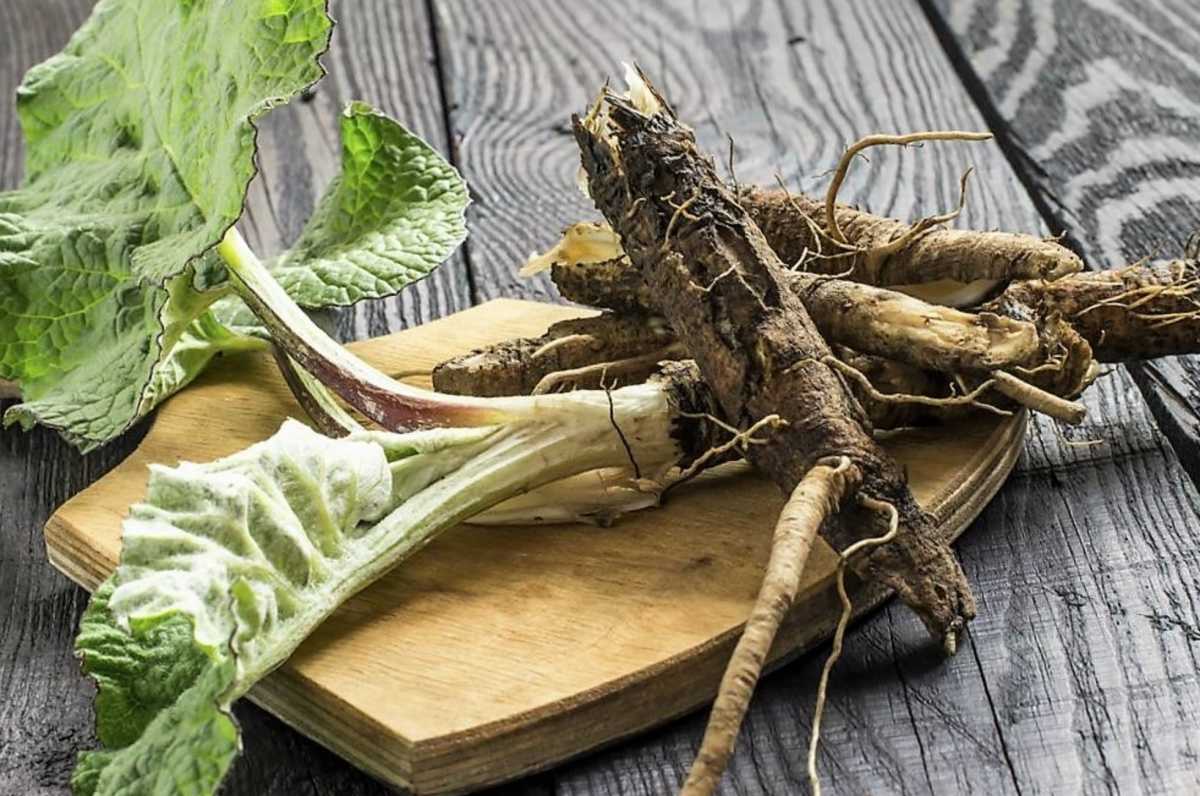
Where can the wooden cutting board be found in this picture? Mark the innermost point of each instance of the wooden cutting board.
(497, 652)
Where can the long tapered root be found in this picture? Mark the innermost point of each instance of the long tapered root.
(868, 319)
(795, 227)
(1138, 312)
(516, 367)
(816, 496)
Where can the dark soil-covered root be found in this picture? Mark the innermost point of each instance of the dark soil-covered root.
(519, 366)
(1138, 312)
(892, 325)
(873, 320)
(724, 293)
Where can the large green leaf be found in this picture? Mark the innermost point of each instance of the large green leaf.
(140, 148)
(185, 750)
(226, 567)
(156, 349)
(161, 698)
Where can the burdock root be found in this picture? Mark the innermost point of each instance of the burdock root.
(796, 227)
(1138, 312)
(724, 293)
(583, 353)
(1034, 360)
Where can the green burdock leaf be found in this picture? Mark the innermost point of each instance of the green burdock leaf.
(185, 748)
(393, 214)
(140, 148)
(227, 566)
(135, 682)
(224, 569)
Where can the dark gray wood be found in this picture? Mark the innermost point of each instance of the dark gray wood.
(1036, 701)
(1098, 107)
(45, 706)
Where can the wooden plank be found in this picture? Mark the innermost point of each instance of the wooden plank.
(793, 84)
(383, 54)
(1108, 150)
(45, 706)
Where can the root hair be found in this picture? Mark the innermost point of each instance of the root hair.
(843, 166)
(839, 633)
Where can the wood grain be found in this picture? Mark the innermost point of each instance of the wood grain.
(793, 84)
(501, 651)
(516, 72)
(1109, 152)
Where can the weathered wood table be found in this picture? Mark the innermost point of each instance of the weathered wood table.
(1081, 673)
